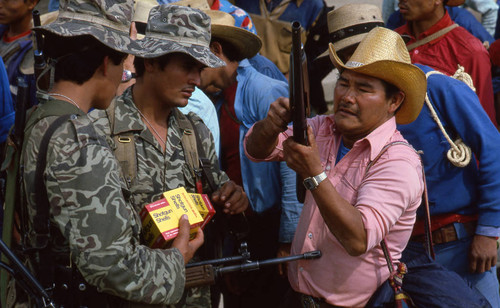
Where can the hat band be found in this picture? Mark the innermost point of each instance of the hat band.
(354, 30)
(94, 20)
(184, 41)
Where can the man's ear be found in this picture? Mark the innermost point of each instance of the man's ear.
(104, 65)
(149, 65)
(216, 48)
(31, 4)
(396, 101)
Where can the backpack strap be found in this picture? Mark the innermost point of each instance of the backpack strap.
(41, 220)
(124, 148)
(194, 153)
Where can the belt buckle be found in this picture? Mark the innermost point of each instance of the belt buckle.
(309, 302)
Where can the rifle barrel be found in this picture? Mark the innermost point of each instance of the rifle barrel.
(255, 265)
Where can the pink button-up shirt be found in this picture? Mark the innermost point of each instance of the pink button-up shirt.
(387, 198)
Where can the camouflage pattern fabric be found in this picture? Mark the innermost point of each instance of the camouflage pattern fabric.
(106, 20)
(174, 28)
(98, 230)
(158, 172)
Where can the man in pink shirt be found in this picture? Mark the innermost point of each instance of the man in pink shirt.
(349, 207)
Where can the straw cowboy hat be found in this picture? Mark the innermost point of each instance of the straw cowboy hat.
(107, 21)
(349, 24)
(382, 54)
(174, 28)
(245, 42)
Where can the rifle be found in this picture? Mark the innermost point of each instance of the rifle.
(299, 96)
(207, 272)
(42, 80)
(24, 278)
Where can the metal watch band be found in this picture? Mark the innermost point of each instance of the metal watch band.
(313, 182)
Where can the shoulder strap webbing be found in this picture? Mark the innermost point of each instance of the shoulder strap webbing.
(188, 141)
(425, 201)
(431, 37)
(193, 150)
(124, 148)
(41, 220)
(205, 163)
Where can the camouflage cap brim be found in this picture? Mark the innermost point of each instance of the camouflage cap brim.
(154, 48)
(116, 39)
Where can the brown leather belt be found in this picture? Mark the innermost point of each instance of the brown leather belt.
(447, 233)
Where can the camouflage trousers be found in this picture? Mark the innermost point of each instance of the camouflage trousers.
(196, 297)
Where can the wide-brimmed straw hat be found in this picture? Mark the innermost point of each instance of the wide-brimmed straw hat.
(349, 24)
(174, 28)
(245, 42)
(107, 21)
(382, 54)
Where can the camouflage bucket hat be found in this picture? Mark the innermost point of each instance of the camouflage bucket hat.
(106, 20)
(173, 28)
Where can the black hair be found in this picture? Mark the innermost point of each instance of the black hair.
(390, 89)
(78, 57)
(229, 50)
(139, 63)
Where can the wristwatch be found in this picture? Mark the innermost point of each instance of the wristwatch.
(127, 75)
(311, 183)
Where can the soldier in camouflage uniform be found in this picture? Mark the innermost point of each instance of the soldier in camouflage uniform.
(176, 48)
(94, 232)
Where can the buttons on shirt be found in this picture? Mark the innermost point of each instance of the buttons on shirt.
(310, 235)
(301, 269)
(328, 167)
(416, 51)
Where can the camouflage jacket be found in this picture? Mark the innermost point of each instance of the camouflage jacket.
(157, 172)
(97, 228)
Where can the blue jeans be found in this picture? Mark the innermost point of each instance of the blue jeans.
(455, 256)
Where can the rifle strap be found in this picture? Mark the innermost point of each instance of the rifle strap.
(41, 221)
(204, 162)
(425, 202)
(431, 37)
(124, 148)
(191, 150)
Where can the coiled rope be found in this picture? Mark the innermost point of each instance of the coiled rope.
(459, 154)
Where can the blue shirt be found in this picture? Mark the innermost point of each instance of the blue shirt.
(7, 112)
(304, 11)
(459, 15)
(469, 190)
(200, 104)
(269, 185)
(265, 66)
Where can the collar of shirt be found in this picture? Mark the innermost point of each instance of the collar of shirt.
(126, 118)
(378, 138)
(444, 22)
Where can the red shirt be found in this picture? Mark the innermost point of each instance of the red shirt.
(456, 47)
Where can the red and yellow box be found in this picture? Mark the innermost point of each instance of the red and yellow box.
(204, 206)
(160, 219)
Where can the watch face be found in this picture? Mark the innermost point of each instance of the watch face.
(309, 183)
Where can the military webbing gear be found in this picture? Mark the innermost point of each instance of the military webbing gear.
(124, 148)
(41, 222)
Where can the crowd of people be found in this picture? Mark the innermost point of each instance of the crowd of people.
(145, 97)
